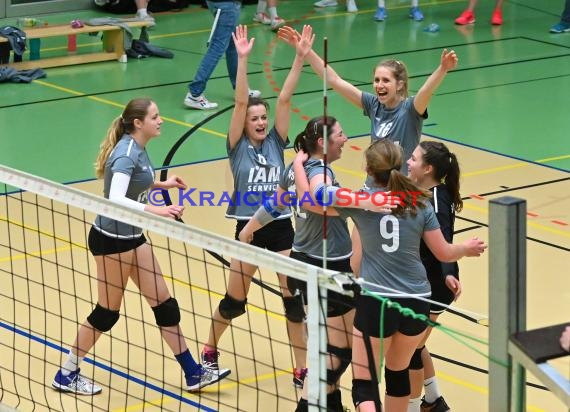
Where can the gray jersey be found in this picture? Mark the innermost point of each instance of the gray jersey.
(129, 158)
(402, 125)
(256, 172)
(309, 225)
(391, 249)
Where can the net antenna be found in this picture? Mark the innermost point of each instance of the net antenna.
(325, 149)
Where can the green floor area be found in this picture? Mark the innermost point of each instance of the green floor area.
(508, 95)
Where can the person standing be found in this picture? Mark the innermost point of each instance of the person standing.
(468, 15)
(433, 167)
(121, 251)
(256, 155)
(564, 25)
(226, 18)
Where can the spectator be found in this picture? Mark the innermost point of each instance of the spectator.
(564, 25)
(468, 15)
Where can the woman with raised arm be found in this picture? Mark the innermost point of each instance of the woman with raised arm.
(391, 268)
(257, 160)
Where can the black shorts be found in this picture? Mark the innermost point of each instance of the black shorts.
(276, 236)
(367, 318)
(440, 293)
(337, 304)
(100, 244)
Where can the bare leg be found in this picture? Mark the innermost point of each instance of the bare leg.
(356, 257)
(238, 287)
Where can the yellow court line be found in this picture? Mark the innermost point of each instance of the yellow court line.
(112, 103)
(247, 381)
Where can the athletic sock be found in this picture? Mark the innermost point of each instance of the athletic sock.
(431, 390)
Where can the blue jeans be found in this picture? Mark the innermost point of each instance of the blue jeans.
(566, 13)
(220, 43)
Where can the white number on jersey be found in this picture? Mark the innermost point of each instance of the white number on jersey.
(390, 232)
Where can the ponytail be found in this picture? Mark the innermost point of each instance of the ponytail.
(446, 168)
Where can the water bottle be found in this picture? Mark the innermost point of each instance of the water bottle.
(432, 28)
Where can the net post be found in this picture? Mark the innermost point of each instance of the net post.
(507, 299)
(316, 342)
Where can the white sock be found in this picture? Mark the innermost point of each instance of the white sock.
(142, 13)
(381, 3)
(272, 13)
(431, 390)
(414, 3)
(261, 6)
(71, 364)
(414, 405)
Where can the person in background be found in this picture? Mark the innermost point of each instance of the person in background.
(271, 19)
(415, 12)
(564, 25)
(228, 13)
(468, 15)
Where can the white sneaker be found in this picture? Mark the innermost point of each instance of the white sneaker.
(326, 3)
(278, 22)
(254, 93)
(200, 102)
(204, 377)
(146, 18)
(75, 383)
(262, 18)
(351, 6)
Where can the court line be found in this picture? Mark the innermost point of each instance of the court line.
(122, 106)
(107, 368)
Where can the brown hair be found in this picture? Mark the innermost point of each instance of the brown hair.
(383, 163)
(125, 123)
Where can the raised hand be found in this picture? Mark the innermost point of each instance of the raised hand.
(289, 35)
(449, 60)
(304, 43)
(243, 45)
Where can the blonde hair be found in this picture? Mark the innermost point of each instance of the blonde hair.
(125, 123)
(400, 72)
(383, 162)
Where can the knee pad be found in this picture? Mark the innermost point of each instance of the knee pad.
(334, 401)
(302, 406)
(231, 308)
(364, 391)
(397, 382)
(103, 319)
(294, 309)
(345, 356)
(416, 361)
(167, 313)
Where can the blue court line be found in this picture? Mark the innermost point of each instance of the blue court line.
(110, 369)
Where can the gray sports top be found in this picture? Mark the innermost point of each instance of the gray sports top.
(309, 225)
(402, 125)
(391, 249)
(256, 172)
(129, 158)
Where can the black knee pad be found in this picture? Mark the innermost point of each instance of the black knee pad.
(302, 406)
(103, 319)
(334, 402)
(397, 382)
(345, 356)
(364, 391)
(416, 361)
(231, 308)
(294, 308)
(167, 313)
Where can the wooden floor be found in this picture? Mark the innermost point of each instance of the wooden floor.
(503, 112)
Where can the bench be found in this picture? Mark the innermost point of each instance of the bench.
(113, 45)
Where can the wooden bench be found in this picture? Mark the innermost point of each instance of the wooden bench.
(113, 45)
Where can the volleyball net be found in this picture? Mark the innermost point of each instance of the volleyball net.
(48, 287)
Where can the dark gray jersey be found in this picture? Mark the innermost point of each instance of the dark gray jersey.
(256, 172)
(129, 158)
(402, 125)
(309, 225)
(391, 249)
